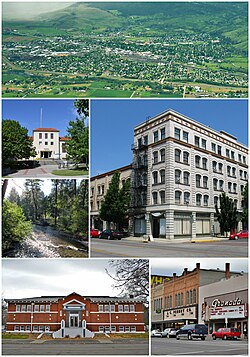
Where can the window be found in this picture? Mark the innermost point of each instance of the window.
(233, 171)
(215, 184)
(40, 135)
(106, 308)
(241, 172)
(227, 153)
(46, 143)
(205, 199)
(145, 139)
(24, 308)
(100, 308)
(63, 147)
(121, 328)
(127, 329)
(177, 155)
(120, 308)
(177, 176)
(229, 186)
(218, 149)
(27, 328)
(28, 308)
(177, 197)
(156, 138)
(177, 133)
(113, 329)
(221, 184)
(41, 328)
(133, 329)
(112, 308)
(216, 199)
(214, 166)
(36, 308)
(139, 141)
(126, 309)
(191, 296)
(205, 181)
(244, 159)
(132, 308)
(229, 170)
(162, 176)
(163, 133)
(203, 143)
(154, 196)
(47, 328)
(17, 308)
(47, 308)
(16, 328)
(198, 199)
(40, 142)
(234, 187)
(42, 308)
(196, 141)
(185, 136)
(194, 296)
(22, 328)
(186, 198)
(213, 147)
(239, 157)
(162, 196)
(51, 143)
(204, 163)
(198, 180)
(187, 298)
(101, 329)
(185, 157)
(144, 179)
(232, 155)
(197, 161)
(107, 330)
(35, 328)
(186, 178)
(155, 157)
(51, 136)
(241, 188)
(155, 177)
(220, 167)
(162, 154)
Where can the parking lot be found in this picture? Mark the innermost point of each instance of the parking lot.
(171, 346)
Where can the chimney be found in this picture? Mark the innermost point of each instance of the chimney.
(185, 271)
(198, 265)
(174, 276)
(227, 270)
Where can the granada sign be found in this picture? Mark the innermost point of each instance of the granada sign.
(221, 303)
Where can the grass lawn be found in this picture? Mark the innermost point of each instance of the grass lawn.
(19, 336)
(70, 172)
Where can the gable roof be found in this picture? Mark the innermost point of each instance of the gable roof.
(46, 129)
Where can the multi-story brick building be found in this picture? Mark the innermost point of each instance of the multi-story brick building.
(175, 302)
(180, 168)
(75, 315)
(48, 144)
(98, 188)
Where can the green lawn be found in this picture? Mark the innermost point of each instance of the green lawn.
(70, 172)
(19, 336)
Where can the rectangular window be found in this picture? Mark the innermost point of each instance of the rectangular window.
(185, 136)
(47, 328)
(106, 307)
(16, 328)
(219, 149)
(126, 308)
(36, 308)
(28, 308)
(35, 328)
(100, 308)
(121, 328)
(46, 135)
(203, 143)
(23, 308)
(51, 136)
(133, 329)
(177, 133)
(46, 143)
(127, 329)
(41, 328)
(113, 329)
(101, 329)
(27, 328)
(232, 155)
(42, 308)
(40, 142)
(145, 139)
(107, 330)
(51, 143)
(239, 156)
(120, 308)
(103, 190)
(213, 147)
(63, 147)
(163, 133)
(22, 328)
(112, 308)
(17, 308)
(40, 135)
(156, 138)
(196, 141)
(47, 308)
(227, 153)
(132, 308)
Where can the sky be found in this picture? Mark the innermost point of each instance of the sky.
(35, 277)
(163, 266)
(113, 121)
(56, 113)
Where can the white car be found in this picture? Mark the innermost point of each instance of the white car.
(155, 333)
(169, 332)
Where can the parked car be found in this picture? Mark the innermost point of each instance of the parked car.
(241, 234)
(155, 333)
(94, 233)
(226, 333)
(192, 331)
(111, 234)
(169, 332)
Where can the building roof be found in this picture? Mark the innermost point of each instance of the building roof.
(108, 173)
(46, 129)
(64, 138)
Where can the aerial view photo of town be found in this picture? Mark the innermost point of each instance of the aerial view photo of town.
(125, 50)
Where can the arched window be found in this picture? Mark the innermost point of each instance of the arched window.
(177, 155)
(162, 154)
(162, 196)
(221, 184)
(216, 200)
(191, 297)
(215, 184)
(177, 176)
(234, 187)
(204, 163)
(197, 161)
(185, 157)
(187, 297)
(198, 199)
(186, 198)
(155, 177)
(186, 177)
(155, 157)
(154, 196)
(170, 302)
(198, 180)
(194, 296)
(205, 181)
(145, 179)
(214, 166)
(229, 185)
(177, 197)
(182, 302)
(229, 170)
(235, 203)
(205, 199)
(162, 176)
(220, 167)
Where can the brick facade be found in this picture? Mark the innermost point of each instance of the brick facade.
(97, 314)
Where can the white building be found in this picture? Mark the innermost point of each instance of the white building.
(180, 168)
(48, 144)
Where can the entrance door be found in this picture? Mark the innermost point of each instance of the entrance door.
(156, 227)
(74, 320)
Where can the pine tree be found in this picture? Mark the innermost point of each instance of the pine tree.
(227, 214)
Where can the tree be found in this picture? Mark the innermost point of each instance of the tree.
(15, 227)
(227, 215)
(16, 144)
(78, 145)
(14, 196)
(245, 207)
(115, 206)
(131, 277)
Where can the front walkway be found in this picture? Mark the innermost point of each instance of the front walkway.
(177, 240)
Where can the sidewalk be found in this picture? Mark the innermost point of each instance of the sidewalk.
(177, 240)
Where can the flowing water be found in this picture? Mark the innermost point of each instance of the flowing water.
(46, 242)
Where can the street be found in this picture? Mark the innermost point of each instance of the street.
(76, 347)
(171, 346)
(127, 248)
